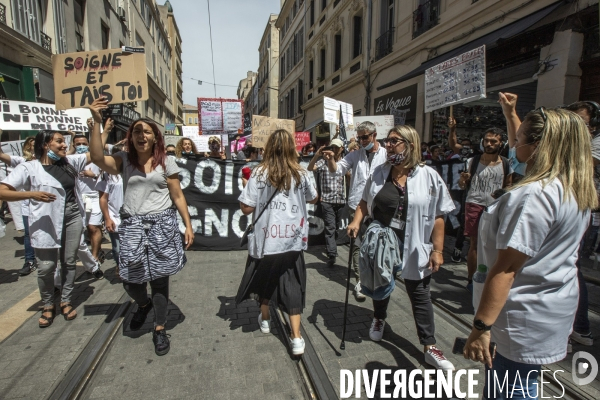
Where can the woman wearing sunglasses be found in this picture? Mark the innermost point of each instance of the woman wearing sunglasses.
(410, 198)
(529, 240)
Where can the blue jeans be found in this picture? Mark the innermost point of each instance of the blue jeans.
(29, 252)
(116, 246)
(524, 388)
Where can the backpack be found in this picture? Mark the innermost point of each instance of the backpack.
(475, 164)
(379, 260)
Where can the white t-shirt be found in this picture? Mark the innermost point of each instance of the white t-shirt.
(535, 323)
(87, 185)
(487, 180)
(283, 227)
(113, 185)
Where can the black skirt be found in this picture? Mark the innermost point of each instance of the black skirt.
(280, 278)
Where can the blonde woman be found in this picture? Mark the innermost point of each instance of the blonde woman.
(529, 240)
(411, 198)
(214, 144)
(275, 269)
(185, 148)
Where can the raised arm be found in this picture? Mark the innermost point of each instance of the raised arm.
(109, 164)
(313, 161)
(508, 101)
(108, 127)
(452, 140)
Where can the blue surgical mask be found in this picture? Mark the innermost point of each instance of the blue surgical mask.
(312, 153)
(517, 166)
(53, 156)
(369, 146)
(82, 149)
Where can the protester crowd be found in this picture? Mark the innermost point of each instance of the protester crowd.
(527, 201)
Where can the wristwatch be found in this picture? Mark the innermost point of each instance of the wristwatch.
(481, 326)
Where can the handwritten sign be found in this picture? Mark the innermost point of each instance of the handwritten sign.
(383, 124)
(80, 78)
(458, 80)
(331, 111)
(20, 115)
(399, 116)
(302, 139)
(189, 131)
(232, 116)
(263, 127)
(211, 115)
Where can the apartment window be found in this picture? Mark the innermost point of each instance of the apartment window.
(105, 36)
(292, 111)
(323, 4)
(154, 65)
(79, 45)
(79, 11)
(311, 74)
(300, 95)
(60, 29)
(312, 12)
(387, 15)
(26, 19)
(190, 120)
(322, 70)
(195, 120)
(162, 82)
(357, 37)
(337, 62)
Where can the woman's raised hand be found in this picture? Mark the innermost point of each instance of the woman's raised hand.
(96, 108)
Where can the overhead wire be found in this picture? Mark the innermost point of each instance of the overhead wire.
(212, 55)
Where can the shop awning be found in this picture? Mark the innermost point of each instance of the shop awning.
(491, 38)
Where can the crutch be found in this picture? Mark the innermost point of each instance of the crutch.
(343, 344)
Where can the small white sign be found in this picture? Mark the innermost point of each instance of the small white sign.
(383, 124)
(331, 111)
(189, 131)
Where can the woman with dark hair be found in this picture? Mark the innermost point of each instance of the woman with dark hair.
(150, 243)
(308, 150)
(275, 269)
(56, 215)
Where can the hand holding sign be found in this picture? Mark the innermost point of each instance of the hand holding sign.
(96, 108)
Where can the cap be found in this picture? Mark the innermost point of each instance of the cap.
(337, 142)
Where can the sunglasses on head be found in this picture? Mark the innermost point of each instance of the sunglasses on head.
(393, 141)
(364, 137)
(542, 113)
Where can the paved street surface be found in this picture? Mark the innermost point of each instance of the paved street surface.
(217, 349)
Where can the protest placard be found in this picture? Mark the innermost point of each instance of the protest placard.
(331, 111)
(458, 80)
(79, 78)
(263, 127)
(20, 115)
(232, 116)
(302, 139)
(399, 116)
(210, 114)
(190, 131)
(383, 124)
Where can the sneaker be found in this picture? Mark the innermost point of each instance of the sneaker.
(376, 331)
(139, 317)
(331, 261)
(436, 358)
(584, 339)
(161, 342)
(456, 255)
(358, 294)
(28, 268)
(470, 287)
(297, 346)
(98, 274)
(569, 347)
(265, 325)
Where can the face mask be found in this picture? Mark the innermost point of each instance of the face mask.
(396, 159)
(186, 152)
(82, 149)
(517, 166)
(215, 147)
(369, 146)
(312, 153)
(53, 156)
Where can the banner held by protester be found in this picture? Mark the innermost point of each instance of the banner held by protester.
(21, 115)
(263, 127)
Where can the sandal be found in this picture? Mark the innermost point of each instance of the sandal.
(48, 321)
(66, 314)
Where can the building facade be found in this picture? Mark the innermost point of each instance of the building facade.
(268, 70)
(190, 115)
(373, 54)
(174, 41)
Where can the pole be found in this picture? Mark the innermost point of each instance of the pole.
(343, 344)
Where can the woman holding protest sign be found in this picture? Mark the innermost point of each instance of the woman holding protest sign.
(150, 244)
(529, 240)
(275, 269)
(56, 214)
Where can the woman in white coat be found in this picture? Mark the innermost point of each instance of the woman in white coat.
(410, 198)
(55, 217)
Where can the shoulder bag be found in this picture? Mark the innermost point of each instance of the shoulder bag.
(250, 228)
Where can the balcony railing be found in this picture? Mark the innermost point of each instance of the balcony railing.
(46, 42)
(3, 14)
(384, 44)
(425, 17)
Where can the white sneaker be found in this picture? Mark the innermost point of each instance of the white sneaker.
(297, 346)
(436, 358)
(376, 331)
(265, 326)
(586, 340)
(358, 293)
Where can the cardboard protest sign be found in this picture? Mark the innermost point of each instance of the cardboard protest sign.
(79, 78)
(302, 139)
(331, 111)
(383, 124)
(189, 131)
(263, 127)
(21, 115)
(458, 80)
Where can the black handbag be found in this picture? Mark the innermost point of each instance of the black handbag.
(250, 228)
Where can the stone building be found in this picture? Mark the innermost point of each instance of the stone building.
(268, 70)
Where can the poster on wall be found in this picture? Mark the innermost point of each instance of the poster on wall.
(80, 78)
(458, 80)
(21, 115)
(331, 111)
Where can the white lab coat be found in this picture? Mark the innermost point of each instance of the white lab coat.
(428, 198)
(45, 219)
(358, 162)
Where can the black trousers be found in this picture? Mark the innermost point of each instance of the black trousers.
(422, 308)
(331, 213)
(160, 297)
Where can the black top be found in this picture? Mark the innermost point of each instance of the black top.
(387, 202)
(67, 181)
(370, 156)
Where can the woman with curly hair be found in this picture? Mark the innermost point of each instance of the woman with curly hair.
(185, 148)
